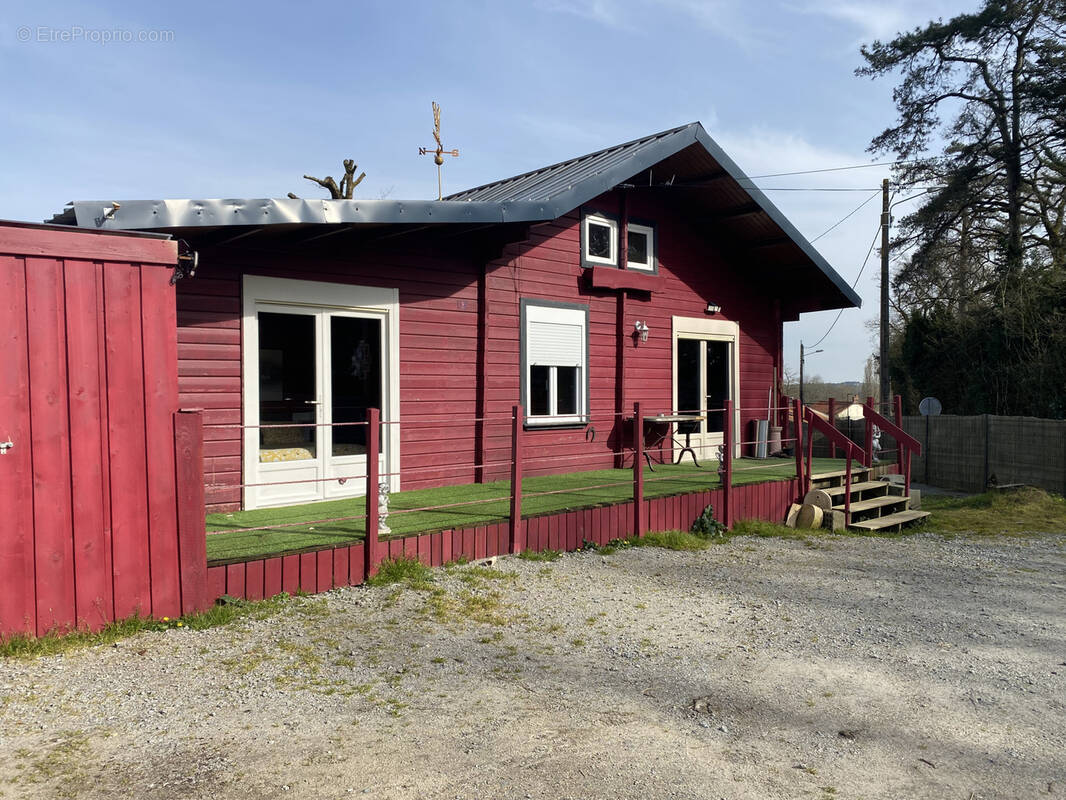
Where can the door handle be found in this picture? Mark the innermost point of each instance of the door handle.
(313, 402)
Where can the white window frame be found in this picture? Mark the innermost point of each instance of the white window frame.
(718, 330)
(567, 313)
(607, 222)
(641, 266)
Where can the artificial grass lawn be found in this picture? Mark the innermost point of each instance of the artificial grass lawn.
(574, 488)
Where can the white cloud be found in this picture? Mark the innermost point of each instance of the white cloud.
(731, 20)
(874, 20)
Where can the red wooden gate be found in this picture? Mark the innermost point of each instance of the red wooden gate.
(88, 392)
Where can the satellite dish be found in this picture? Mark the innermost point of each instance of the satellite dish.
(930, 407)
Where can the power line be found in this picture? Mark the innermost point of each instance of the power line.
(853, 285)
(831, 169)
(866, 260)
(846, 217)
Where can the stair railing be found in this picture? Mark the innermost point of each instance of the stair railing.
(816, 423)
(904, 441)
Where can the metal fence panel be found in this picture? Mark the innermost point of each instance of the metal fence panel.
(966, 453)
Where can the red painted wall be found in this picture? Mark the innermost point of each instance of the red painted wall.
(87, 353)
(438, 281)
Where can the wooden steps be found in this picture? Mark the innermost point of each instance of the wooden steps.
(876, 505)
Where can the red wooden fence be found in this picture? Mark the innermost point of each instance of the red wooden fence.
(88, 487)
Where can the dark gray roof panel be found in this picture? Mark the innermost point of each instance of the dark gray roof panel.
(550, 182)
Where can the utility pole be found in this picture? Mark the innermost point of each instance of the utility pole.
(803, 357)
(886, 224)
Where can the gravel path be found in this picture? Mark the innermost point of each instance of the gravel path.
(839, 667)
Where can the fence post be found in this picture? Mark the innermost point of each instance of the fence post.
(897, 408)
(833, 422)
(797, 411)
(869, 426)
(728, 452)
(988, 445)
(371, 551)
(189, 489)
(516, 543)
(638, 471)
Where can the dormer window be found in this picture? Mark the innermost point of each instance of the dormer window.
(599, 240)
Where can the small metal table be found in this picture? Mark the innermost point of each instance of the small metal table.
(668, 420)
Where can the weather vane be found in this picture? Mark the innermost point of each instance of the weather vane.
(438, 151)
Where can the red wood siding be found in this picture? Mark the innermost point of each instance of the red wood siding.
(88, 354)
(440, 336)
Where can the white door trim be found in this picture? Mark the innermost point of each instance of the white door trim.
(322, 296)
(719, 330)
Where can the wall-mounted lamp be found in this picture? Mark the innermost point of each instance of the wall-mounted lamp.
(713, 308)
(641, 329)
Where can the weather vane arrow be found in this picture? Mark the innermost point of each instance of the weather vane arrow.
(438, 152)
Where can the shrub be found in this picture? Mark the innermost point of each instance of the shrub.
(707, 525)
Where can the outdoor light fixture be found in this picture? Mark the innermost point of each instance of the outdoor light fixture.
(641, 329)
(713, 308)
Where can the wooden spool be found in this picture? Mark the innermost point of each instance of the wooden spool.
(820, 498)
(810, 516)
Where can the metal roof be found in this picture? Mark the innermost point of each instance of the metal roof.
(548, 184)
(544, 194)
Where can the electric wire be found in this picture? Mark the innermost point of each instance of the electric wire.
(861, 269)
(868, 253)
(846, 217)
(831, 169)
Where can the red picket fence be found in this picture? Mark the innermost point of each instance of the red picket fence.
(89, 481)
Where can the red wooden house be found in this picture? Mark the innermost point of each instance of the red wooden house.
(651, 271)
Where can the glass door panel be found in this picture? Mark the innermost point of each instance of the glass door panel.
(689, 391)
(717, 384)
(287, 387)
(355, 378)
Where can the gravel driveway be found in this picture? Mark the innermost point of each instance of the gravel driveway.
(920, 667)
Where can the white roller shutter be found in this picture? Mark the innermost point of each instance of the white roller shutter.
(555, 344)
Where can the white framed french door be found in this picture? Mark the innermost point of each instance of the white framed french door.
(706, 373)
(316, 356)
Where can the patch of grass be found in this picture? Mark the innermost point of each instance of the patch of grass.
(465, 606)
(1013, 511)
(63, 764)
(22, 646)
(543, 555)
(757, 527)
(672, 540)
(406, 571)
(477, 575)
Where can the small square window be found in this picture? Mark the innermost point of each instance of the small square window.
(599, 235)
(640, 247)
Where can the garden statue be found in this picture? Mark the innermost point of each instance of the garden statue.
(383, 507)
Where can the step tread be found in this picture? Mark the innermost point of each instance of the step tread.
(820, 476)
(874, 502)
(899, 518)
(861, 486)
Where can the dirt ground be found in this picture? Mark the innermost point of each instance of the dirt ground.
(918, 667)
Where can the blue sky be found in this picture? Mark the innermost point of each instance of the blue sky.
(239, 100)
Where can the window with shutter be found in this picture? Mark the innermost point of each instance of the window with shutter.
(554, 362)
